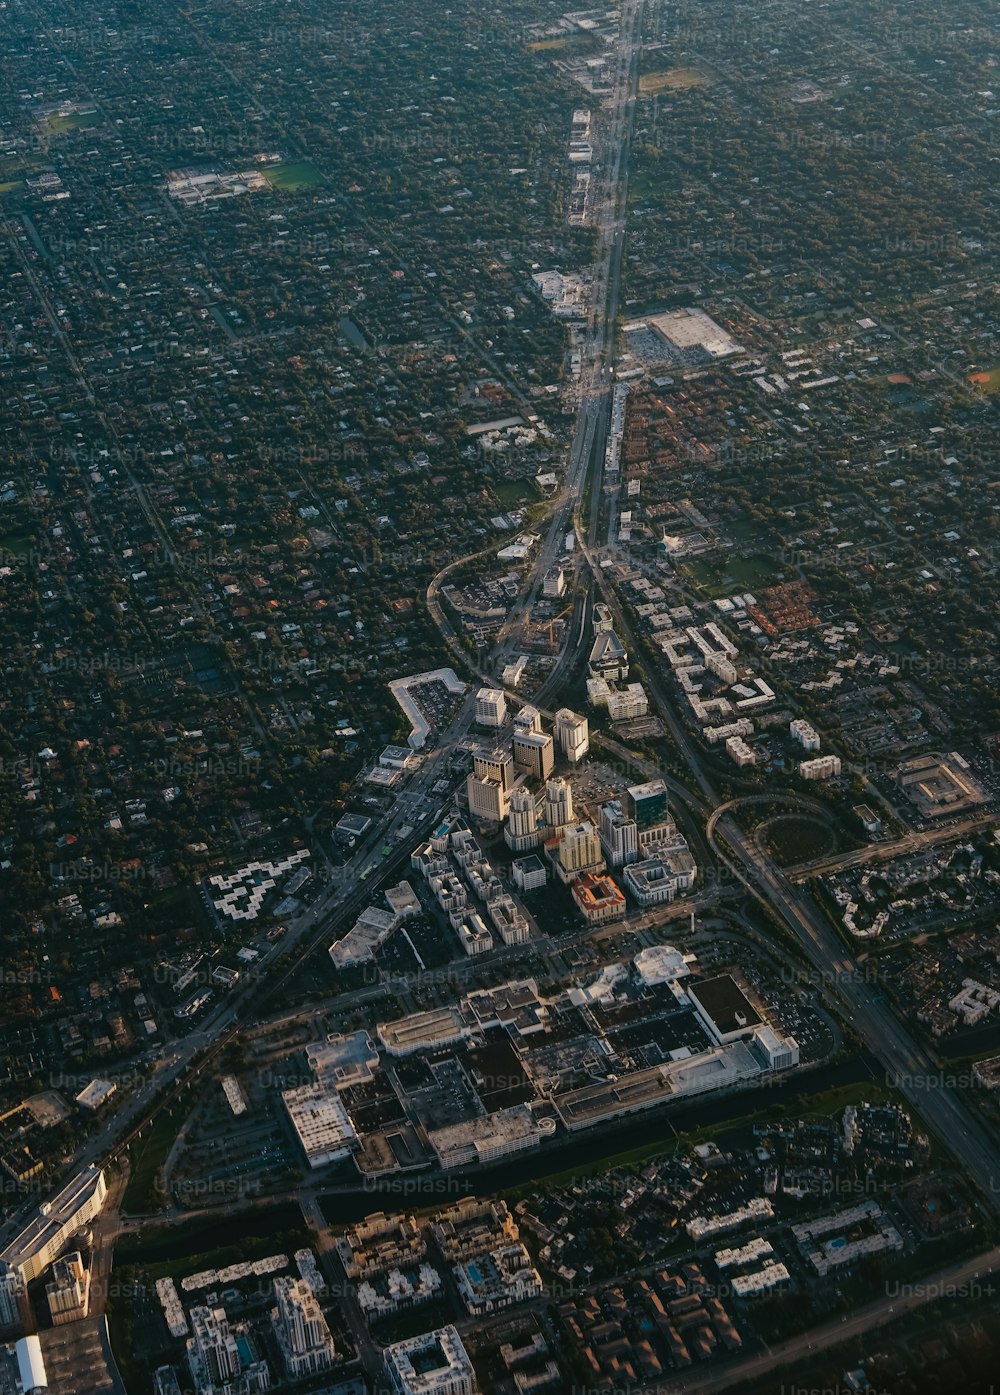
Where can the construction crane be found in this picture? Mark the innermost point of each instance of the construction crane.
(552, 622)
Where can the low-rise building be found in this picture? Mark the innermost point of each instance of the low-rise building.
(598, 898)
(97, 1093)
(529, 873)
(739, 752)
(743, 726)
(374, 925)
(473, 1226)
(435, 1363)
(820, 768)
(701, 1228)
(321, 1123)
(773, 1051)
(508, 920)
(804, 733)
(627, 703)
(380, 1243)
(489, 1137)
(423, 1031)
(497, 1279)
(825, 1241)
(398, 1289)
(343, 1061)
(514, 1006)
(723, 1009)
(650, 882)
(473, 933)
(870, 821)
(762, 1280)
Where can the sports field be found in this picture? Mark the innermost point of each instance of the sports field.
(672, 80)
(292, 175)
(988, 380)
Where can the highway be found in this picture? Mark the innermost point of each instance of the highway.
(345, 896)
(967, 1278)
(184, 1060)
(596, 354)
(909, 1066)
(883, 852)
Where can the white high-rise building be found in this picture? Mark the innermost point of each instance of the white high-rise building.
(214, 1357)
(619, 835)
(491, 708)
(42, 1240)
(521, 833)
(301, 1329)
(528, 719)
(573, 734)
(558, 804)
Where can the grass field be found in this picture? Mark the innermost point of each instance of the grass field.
(74, 121)
(741, 573)
(563, 43)
(797, 838)
(143, 1193)
(672, 80)
(745, 530)
(198, 1244)
(14, 544)
(509, 493)
(292, 174)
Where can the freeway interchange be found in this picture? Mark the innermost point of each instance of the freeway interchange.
(908, 1065)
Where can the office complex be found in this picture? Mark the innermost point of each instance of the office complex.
(647, 805)
(491, 708)
(488, 788)
(619, 835)
(534, 752)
